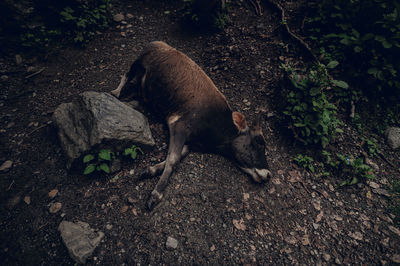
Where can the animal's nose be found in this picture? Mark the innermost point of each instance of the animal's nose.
(263, 173)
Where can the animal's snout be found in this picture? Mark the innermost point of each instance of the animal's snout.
(263, 173)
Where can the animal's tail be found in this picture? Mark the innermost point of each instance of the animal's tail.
(135, 70)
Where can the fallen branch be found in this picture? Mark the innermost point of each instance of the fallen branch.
(294, 35)
(36, 73)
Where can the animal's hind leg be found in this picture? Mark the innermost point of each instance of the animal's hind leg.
(155, 170)
(176, 143)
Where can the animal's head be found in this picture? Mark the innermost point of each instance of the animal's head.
(249, 149)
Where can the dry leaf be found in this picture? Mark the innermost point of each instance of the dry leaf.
(319, 217)
(55, 207)
(239, 224)
(27, 200)
(246, 196)
(212, 248)
(53, 193)
(134, 212)
(124, 209)
(305, 240)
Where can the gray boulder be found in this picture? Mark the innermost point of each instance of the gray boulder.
(80, 239)
(393, 137)
(97, 117)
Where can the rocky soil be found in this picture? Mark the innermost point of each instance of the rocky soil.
(211, 212)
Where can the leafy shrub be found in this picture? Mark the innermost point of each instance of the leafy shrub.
(365, 35)
(206, 14)
(312, 117)
(105, 158)
(353, 170)
(305, 162)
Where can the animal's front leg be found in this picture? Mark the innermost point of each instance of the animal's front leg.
(155, 170)
(175, 151)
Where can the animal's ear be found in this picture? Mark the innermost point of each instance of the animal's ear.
(240, 121)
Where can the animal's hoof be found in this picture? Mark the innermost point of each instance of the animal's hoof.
(154, 199)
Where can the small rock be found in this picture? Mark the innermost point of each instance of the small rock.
(212, 248)
(4, 77)
(131, 201)
(327, 257)
(124, 209)
(55, 207)
(319, 217)
(30, 69)
(118, 17)
(53, 193)
(109, 226)
(246, 196)
(337, 217)
(381, 191)
(171, 243)
(27, 200)
(132, 172)
(357, 236)
(6, 166)
(134, 211)
(18, 59)
(316, 226)
(396, 258)
(305, 240)
(276, 181)
(123, 34)
(80, 239)
(317, 204)
(393, 137)
(373, 184)
(129, 16)
(394, 230)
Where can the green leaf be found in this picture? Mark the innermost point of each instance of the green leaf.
(89, 169)
(105, 155)
(167, 12)
(88, 158)
(133, 155)
(340, 84)
(332, 64)
(104, 167)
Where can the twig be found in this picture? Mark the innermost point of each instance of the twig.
(9, 187)
(297, 136)
(386, 160)
(36, 129)
(301, 182)
(295, 36)
(352, 110)
(36, 73)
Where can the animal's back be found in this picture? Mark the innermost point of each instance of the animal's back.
(175, 84)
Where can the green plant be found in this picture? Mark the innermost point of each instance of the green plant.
(305, 162)
(100, 164)
(132, 151)
(353, 170)
(206, 14)
(105, 157)
(368, 45)
(372, 147)
(312, 117)
(83, 21)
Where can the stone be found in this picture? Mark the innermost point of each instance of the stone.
(4, 77)
(396, 258)
(80, 239)
(55, 207)
(171, 243)
(18, 59)
(53, 193)
(327, 257)
(393, 137)
(129, 16)
(6, 166)
(381, 191)
(96, 117)
(118, 17)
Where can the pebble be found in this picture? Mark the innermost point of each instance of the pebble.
(123, 34)
(18, 59)
(373, 184)
(381, 191)
(327, 257)
(316, 226)
(396, 258)
(109, 226)
(55, 207)
(171, 243)
(27, 200)
(6, 166)
(118, 17)
(129, 16)
(4, 77)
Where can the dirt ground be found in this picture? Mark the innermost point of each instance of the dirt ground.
(217, 214)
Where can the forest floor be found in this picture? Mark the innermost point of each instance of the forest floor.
(217, 214)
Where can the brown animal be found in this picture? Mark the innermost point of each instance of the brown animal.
(196, 112)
